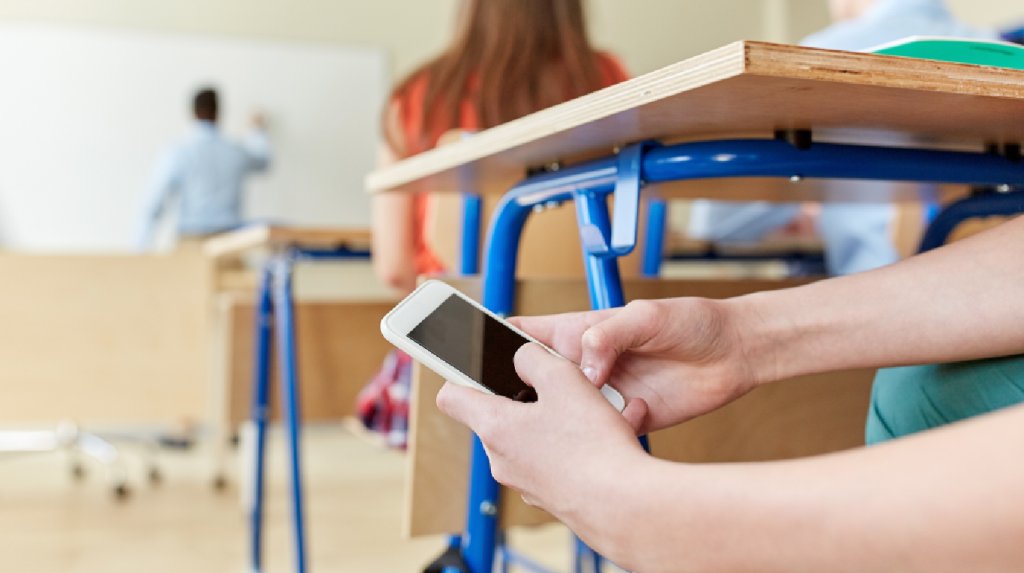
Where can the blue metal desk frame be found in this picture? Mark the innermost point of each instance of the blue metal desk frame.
(606, 237)
(275, 315)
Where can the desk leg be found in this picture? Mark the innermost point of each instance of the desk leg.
(471, 216)
(654, 238)
(583, 556)
(260, 413)
(605, 285)
(602, 271)
(451, 561)
(283, 304)
(220, 387)
(479, 544)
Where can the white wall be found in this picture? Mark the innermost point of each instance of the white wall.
(806, 16)
(998, 13)
(87, 111)
(647, 33)
(81, 192)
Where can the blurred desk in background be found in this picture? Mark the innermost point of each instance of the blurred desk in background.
(103, 339)
(337, 319)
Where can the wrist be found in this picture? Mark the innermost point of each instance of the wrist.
(616, 520)
(763, 336)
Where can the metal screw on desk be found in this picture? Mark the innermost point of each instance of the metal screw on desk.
(796, 178)
(488, 508)
(541, 207)
(1004, 188)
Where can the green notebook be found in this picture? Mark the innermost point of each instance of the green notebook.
(979, 52)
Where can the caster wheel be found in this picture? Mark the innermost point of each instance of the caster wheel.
(155, 477)
(121, 492)
(220, 483)
(78, 472)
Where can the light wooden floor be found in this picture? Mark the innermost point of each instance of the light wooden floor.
(50, 523)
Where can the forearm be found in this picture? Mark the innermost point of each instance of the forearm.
(394, 256)
(948, 500)
(960, 302)
(257, 145)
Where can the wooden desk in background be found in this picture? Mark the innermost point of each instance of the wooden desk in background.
(335, 358)
(276, 333)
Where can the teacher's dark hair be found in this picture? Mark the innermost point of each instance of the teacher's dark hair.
(204, 104)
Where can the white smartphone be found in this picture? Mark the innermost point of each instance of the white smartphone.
(454, 336)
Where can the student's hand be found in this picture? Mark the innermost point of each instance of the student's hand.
(558, 451)
(683, 357)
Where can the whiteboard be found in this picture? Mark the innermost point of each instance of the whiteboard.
(85, 113)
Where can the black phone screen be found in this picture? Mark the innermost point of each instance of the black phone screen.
(477, 345)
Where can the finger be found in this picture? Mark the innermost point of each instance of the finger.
(542, 370)
(473, 407)
(561, 331)
(545, 328)
(602, 343)
(635, 414)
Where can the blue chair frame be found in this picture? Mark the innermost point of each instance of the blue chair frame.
(605, 237)
(986, 203)
(624, 175)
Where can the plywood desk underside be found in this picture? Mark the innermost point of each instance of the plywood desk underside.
(741, 89)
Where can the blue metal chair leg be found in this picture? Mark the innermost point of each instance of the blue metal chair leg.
(472, 207)
(481, 539)
(585, 559)
(577, 554)
(654, 238)
(451, 560)
(479, 543)
(260, 412)
(603, 278)
(989, 204)
(290, 394)
(605, 286)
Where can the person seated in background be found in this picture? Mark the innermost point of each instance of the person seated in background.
(508, 58)
(857, 236)
(207, 172)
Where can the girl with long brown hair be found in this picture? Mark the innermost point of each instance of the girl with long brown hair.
(508, 58)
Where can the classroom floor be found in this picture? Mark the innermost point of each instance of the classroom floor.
(50, 523)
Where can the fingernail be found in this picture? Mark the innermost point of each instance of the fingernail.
(589, 372)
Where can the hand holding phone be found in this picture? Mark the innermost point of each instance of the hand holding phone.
(465, 343)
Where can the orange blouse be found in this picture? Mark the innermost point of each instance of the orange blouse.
(410, 105)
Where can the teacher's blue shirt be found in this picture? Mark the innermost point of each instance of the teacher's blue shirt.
(206, 172)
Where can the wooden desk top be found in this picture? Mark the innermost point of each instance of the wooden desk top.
(742, 88)
(271, 236)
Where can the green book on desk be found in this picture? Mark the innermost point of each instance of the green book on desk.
(979, 52)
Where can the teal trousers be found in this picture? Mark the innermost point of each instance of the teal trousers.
(915, 398)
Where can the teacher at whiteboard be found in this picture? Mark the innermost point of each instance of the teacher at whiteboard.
(207, 172)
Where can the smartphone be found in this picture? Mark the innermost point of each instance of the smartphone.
(465, 343)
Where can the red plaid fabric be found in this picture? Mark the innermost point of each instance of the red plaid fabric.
(383, 405)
